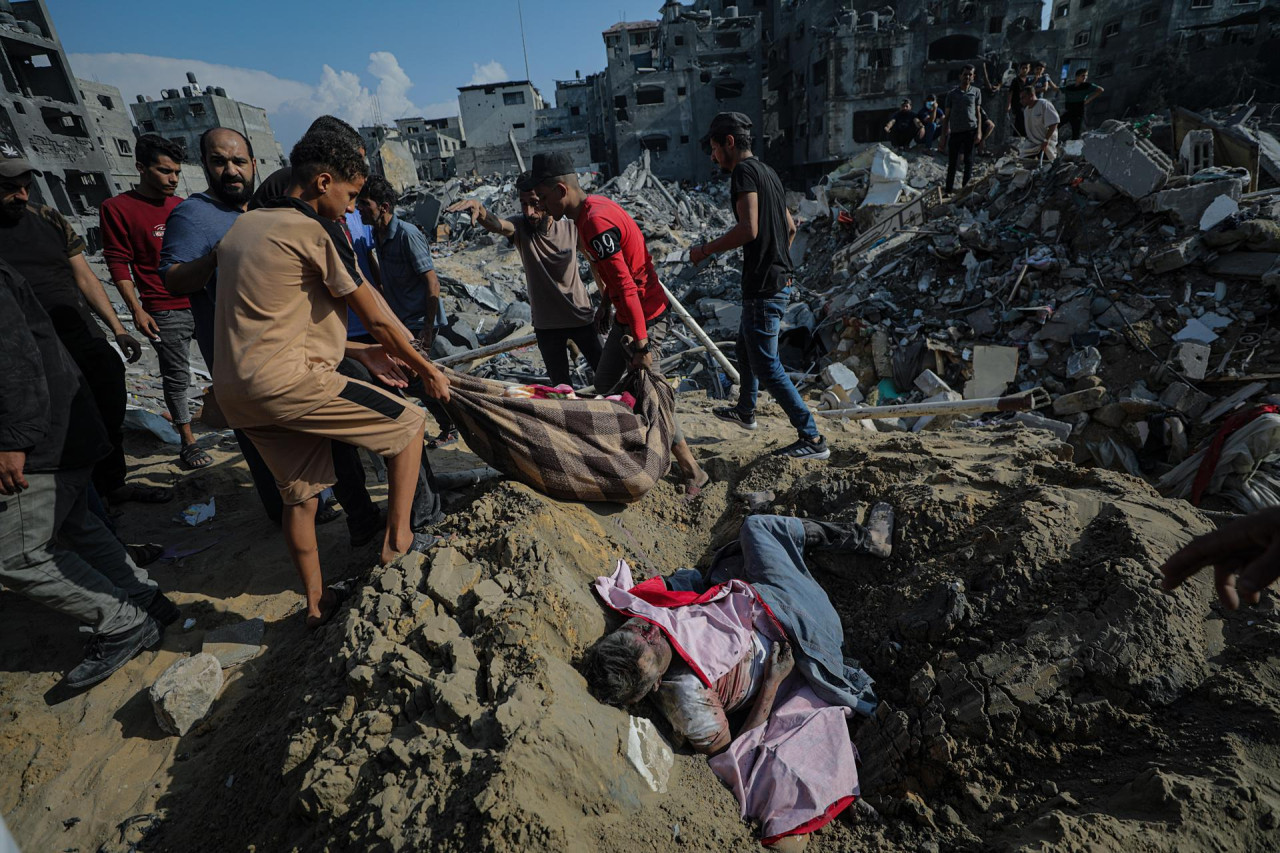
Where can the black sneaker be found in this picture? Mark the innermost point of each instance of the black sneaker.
(806, 449)
(106, 653)
(164, 611)
(733, 416)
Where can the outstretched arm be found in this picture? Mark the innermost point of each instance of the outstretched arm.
(482, 217)
(386, 331)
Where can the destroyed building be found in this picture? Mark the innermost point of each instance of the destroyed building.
(667, 79)
(835, 72)
(1139, 51)
(44, 119)
(390, 155)
(113, 130)
(183, 115)
(575, 124)
(492, 110)
(433, 142)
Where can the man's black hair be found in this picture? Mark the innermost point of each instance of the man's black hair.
(326, 151)
(966, 67)
(1039, 63)
(612, 670)
(1080, 71)
(526, 182)
(741, 139)
(333, 124)
(379, 190)
(204, 144)
(150, 147)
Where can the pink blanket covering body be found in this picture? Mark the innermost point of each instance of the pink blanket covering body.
(796, 772)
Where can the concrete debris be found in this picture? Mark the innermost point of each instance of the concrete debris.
(184, 693)
(1128, 162)
(234, 644)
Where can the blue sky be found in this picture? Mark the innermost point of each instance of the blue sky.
(300, 59)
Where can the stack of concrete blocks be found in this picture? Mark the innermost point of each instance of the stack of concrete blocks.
(1196, 152)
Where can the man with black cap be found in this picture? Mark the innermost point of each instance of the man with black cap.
(558, 299)
(628, 284)
(42, 246)
(765, 230)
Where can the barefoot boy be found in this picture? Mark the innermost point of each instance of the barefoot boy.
(286, 274)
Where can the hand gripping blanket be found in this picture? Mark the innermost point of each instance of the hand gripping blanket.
(577, 450)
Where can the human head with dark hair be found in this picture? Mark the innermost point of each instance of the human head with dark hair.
(377, 202)
(1024, 68)
(228, 163)
(966, 76)
(328, 173)
(333, 124)
(159, 164)
(728, 140)
(1038, 67)
(534, 213)
(625, 666)
(1082, 75)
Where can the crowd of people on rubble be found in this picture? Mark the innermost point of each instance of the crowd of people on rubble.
(961, 120)
(317, 309)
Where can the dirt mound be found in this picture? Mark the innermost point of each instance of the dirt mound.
(1039, 691)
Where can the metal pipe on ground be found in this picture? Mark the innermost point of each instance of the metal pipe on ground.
(1036, 398)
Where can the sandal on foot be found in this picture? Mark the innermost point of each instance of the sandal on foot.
(141, 494)
(144, 555)
(443, 439)
(336, 593)
(193, 457)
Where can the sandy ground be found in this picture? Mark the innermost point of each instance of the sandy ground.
(1039, 692)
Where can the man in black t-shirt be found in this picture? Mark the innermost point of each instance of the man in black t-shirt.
(764, 231)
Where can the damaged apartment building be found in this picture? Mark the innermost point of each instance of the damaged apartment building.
(183, 115)
(44, 118)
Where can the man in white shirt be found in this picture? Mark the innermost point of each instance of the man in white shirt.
(1041, 122)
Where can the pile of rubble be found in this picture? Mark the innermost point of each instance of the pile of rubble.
(1135, 290)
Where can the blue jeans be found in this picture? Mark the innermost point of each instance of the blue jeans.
(758, 362)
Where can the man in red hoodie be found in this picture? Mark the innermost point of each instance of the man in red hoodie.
(132, 233)
(627, 281)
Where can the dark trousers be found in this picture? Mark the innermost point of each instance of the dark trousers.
(554, 346)
(437, 410)
(1075, 120)
(960, 144)
(759, 364)
(349, 470)
(104, 372)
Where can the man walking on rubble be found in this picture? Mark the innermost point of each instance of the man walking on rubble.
(50, 437)
(764, 231)
(961, 127)
(133, 225)
(558, 299)
(628, 284)
(1041, 121)
(42, 246)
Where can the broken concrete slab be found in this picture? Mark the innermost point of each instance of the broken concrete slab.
(1131, 164)
(1080, 401)
(234, 644)
(993, 369)
(931, 383)
(1084, 362)
(1191, 359)
(1183, 398)
(1188, 204)
(1196, 331)
(184, 692)
(1222, 207)
(1177, 255)
(1061, 429)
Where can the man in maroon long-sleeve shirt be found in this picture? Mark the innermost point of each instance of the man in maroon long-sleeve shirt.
(627, 281)
(133, 226)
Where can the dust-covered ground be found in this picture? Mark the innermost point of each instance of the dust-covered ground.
(1039, 691)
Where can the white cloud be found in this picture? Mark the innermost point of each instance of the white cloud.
(291, 105)
(491, 72)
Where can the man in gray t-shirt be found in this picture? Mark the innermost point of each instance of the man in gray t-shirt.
(961, 126)
(558, 299)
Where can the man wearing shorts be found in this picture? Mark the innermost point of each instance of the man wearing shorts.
(286, 276)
